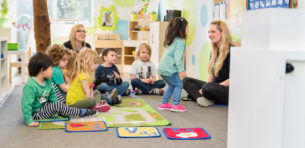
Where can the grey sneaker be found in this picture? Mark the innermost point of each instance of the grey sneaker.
(186, 99)
(156, 91)
(91, 113)
(203, 101)
(184, 94)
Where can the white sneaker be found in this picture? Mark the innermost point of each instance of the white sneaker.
(156, 91)
(184, 94)
(203, 101)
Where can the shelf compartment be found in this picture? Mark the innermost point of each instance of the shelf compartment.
(129, 50)
(128, 60)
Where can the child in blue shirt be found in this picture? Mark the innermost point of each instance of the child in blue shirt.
(107, 75)
(171, 66)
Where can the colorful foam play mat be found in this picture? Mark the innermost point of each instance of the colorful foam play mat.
(52, 125)
(86, 126)
(55, 118)
(131, 112)
(137, 132)
(186, 133)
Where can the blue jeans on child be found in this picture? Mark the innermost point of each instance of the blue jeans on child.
(175, 86)
(146, 88)
(103, 87)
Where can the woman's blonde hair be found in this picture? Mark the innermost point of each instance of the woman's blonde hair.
(84, 61)
(223, 49)
(140, 47)
(73, 36)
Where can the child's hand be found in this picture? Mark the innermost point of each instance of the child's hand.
(116, 75)
(147, 81)
(152, 81)
(182, 74)
(33, 124)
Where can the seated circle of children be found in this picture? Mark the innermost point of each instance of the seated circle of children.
(143, 73)
(59, 55)
(171, 64)
(39, 99)
(107, 75)
(80, 93)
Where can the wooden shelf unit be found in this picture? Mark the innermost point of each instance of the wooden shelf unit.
(3, 71)
(138, 34)
(129, 53)
(109, 41)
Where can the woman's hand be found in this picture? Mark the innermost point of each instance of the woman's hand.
(34, 124)
(200, 91)
(225, 83)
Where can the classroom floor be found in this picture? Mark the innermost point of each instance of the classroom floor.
(14, 132)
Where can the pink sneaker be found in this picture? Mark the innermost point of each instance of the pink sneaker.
(102, 107)
(165, 106)
(178, 108)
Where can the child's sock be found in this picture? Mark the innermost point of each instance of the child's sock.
(82, 112)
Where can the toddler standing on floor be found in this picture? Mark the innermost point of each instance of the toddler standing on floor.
(59, 54)
(108, 77)
(143, 72)
(80, 93)
(171, 63)
(39, 99)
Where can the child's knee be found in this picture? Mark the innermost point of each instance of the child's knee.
(135, 81)
(125, 84)
(162, 83)
(102, 87)
(92, 102)
(207, 88)
(185, 80)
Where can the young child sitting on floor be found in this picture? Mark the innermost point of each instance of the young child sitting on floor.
(59, 55)
(80, 93)
(107, 74)
(143, 73)
(39, 99)
(67, 72)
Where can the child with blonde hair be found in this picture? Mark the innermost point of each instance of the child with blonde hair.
(59, 55)
(67, 72)
(171, 63)
(39, 99)
(80, 93)
(143, 73)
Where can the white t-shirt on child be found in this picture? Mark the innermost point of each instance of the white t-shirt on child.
(143, 70)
